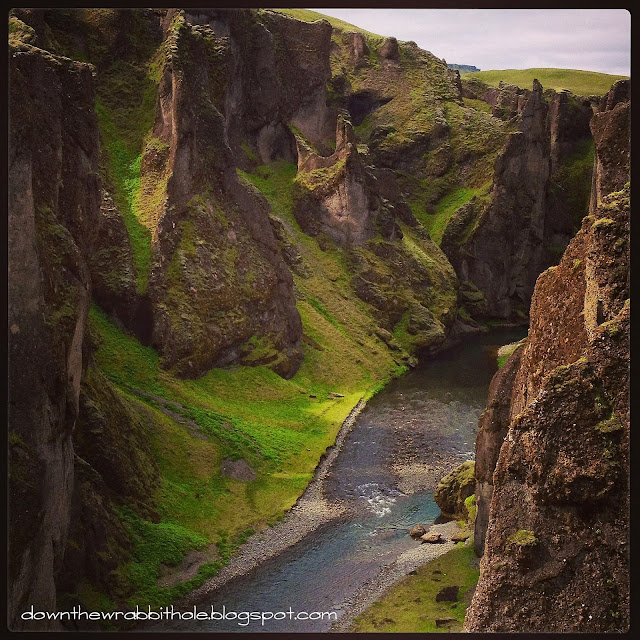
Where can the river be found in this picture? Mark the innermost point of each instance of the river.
(416, 429)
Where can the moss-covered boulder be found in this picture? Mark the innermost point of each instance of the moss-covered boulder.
(454, 489)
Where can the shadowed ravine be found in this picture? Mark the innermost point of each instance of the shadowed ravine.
(425, 420)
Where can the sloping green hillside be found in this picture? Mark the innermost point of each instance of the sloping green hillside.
(582, 83)
(306, 15)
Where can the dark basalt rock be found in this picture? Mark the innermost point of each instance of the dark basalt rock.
(54, 200)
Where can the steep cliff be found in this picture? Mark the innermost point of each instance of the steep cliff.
(499, 247)
(56, 232)
(217, 278)
(54, 199)
(558, 534)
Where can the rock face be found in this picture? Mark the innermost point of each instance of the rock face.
(73, 444)
(506, 251)
(492, 430)
(54, 200)
(558, 522)
(454, 489)
(569, 119)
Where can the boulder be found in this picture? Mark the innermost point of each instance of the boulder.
(454, 489)
(460, 536)
(432, 537)
(417, 531)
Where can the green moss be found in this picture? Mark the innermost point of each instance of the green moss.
(92, 599)
(156, 544)
(610, 425)
(249, 152)
(315, 178)
(446, 207)
(573, 177)
(480, 105)
(125, 106)
(410, 605)
(523, 538)
(472, 509)
(20, 32)
(504, 353)
(124, 171)
(603, 223)
(275, 182)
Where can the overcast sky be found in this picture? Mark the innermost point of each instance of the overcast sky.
(588, 39)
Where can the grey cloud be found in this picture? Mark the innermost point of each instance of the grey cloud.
(589, 39)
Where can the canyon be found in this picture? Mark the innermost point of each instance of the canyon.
(229, 227)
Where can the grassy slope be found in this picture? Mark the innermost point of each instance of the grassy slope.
(244, 412)
(582, 83)
(306, 15)
(410, 605)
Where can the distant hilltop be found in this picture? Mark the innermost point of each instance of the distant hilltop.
(463, 68)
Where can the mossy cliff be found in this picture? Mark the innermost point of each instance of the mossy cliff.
(226, 228)
(558, 517)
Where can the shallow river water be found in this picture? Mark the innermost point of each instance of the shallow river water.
(427, 417)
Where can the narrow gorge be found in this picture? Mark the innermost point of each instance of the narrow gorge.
(228, 229)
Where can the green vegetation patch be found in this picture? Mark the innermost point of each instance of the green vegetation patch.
(504, 352)
(582, 83)
(523, 538)
(480, 105)
(436, 223)
(573, 178)
(472, 509)
(610, 425)
(156, 544)
(410, 606)
(280, 427)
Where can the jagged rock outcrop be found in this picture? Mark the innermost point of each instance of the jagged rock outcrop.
(389, 49)
(569, 118)
(280, 68)
(524, 163)
(219, 286)
(611, 170)
(339, 196)
(502, 250)
(558, 533)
